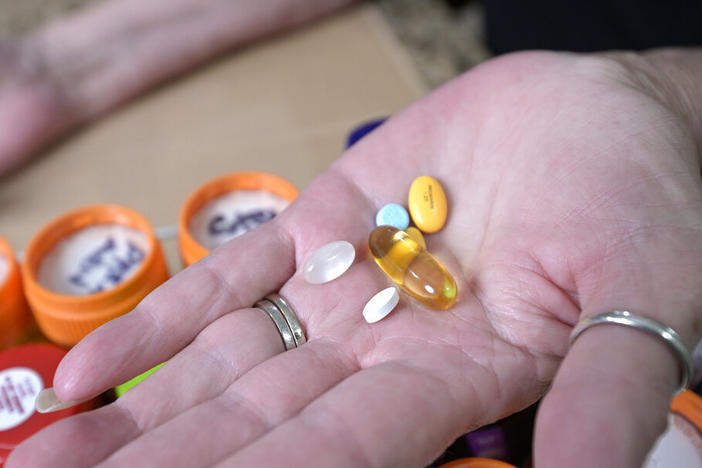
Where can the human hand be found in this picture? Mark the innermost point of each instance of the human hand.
(573, 190)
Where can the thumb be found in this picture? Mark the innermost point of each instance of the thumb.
(610, 398)
(609, 401)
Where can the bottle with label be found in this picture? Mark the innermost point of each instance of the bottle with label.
(15, 318)
(88, 267)
(227, 207)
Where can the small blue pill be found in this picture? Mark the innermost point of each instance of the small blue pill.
(393, 215)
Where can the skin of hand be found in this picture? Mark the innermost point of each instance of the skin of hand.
(574, 189)
(77, 68)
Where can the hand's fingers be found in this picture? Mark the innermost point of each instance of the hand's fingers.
(265, 396)
(392, 414)
(225, 350)
(609, 400)
(68, 442)
(233, 277)
(269, 393)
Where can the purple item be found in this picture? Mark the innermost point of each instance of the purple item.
(362, 130)
(488, 442)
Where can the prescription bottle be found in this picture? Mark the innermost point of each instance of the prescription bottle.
(15, 318)
(681, 443)
(89, 266)
(24, 372)
(229, 206)
(476, 463)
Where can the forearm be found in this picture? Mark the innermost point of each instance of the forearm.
(115, 50)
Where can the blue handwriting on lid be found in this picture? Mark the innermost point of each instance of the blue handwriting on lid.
(106, 267)
(219, 225)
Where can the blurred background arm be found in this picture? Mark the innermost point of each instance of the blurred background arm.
(78, 67)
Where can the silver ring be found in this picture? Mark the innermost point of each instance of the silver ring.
(290, 317)
(667, 334)
(277, 316)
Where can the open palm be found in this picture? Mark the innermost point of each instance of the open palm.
(571, 192)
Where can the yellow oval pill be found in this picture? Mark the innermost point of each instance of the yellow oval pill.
(416, 236)
(427, 204)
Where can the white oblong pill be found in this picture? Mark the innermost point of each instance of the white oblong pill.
(381, 305)
(329, 262)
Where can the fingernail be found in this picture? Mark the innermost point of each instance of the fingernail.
(48, 402)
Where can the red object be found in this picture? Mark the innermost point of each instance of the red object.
(24, 371)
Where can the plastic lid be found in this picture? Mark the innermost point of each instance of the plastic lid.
(24, 371)
(681, 443)
(14, 312)
(65, 319)
(476, 463)
(190, 249)
(689, 405)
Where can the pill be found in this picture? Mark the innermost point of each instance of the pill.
(412, 267)
(427, 204)
(48, 402)
(329, 262)
(394, 215)
(381, 305)
(416, 236)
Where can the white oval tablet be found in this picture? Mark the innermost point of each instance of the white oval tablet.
(329, 262)
(381, 305)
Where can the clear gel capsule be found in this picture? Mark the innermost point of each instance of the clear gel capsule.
(413, 268)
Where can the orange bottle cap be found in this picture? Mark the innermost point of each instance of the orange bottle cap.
(66, 319)
(191, 250)
(476, 463)
(14, 312)
(689, 405)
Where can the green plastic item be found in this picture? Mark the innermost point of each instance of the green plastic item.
(122, 389)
